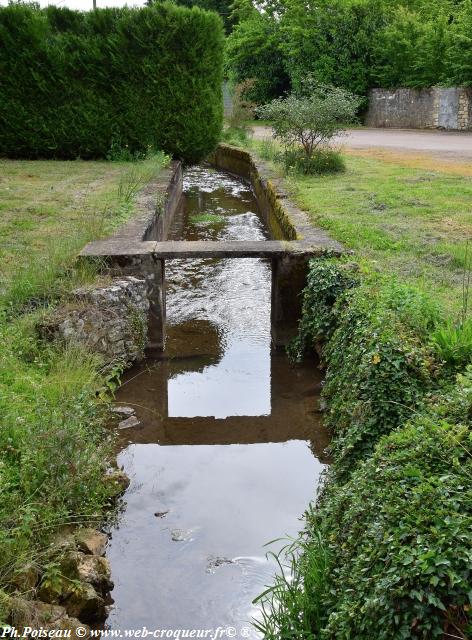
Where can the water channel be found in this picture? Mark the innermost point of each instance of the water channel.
(230, 447)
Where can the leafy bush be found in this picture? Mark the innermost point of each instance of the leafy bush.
(327, 282)
(378, 371)
(312, 119)
(88, 83)
(321, 161)
(387, 555)
(378, 364)
(294, 161)
(400, 538)
(306, 124)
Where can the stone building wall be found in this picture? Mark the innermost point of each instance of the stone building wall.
(109, 319)
(435, 108)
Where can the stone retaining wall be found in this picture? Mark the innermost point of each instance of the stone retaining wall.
(107, 319)
(435, 108)
(117, 319)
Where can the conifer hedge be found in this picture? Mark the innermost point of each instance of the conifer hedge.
(80, 83)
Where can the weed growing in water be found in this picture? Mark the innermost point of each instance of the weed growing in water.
(293, 606)
(207, 218)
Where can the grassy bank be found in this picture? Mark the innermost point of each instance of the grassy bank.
(386, 552)
(387, 548)
(403, 220)
(53, 448)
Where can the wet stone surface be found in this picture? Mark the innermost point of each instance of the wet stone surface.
(230, 447)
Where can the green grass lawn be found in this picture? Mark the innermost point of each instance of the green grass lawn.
(409, 221)
(50, 209)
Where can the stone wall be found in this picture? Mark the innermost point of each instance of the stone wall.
(109, 319)
(122, 253)
(435, 108)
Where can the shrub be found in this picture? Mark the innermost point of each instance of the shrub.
(322, 161)
(378, 365)
(387, 555)
(378, 372)
(327, 282)
(306, 123)
(91, 83)
(400, 538)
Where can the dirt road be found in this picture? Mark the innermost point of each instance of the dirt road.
(441, 144)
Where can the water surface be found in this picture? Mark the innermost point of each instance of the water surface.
(230, 446)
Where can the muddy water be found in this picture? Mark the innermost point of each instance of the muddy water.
(230, 447)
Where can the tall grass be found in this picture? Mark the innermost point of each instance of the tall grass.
(292, 608)
(42, 278)
(453, 343)
(54, 449)
(453, 340)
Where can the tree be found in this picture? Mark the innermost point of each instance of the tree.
(332, 40)
(411, 51)
(460, 52)
(253, 52)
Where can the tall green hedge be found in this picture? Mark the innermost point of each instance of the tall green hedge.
(77, 84)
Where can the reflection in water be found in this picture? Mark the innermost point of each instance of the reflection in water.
(189, 548)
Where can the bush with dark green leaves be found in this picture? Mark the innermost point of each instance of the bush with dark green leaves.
(398, 535)
(386, 553)
(81, 83)
(379, 366)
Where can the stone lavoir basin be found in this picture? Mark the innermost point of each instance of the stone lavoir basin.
(229, 447)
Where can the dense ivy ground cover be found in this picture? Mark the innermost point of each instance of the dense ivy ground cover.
(87, 84)
(393, 521)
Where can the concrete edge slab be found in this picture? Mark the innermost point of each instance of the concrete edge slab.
(114, 247)
(271, 194)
